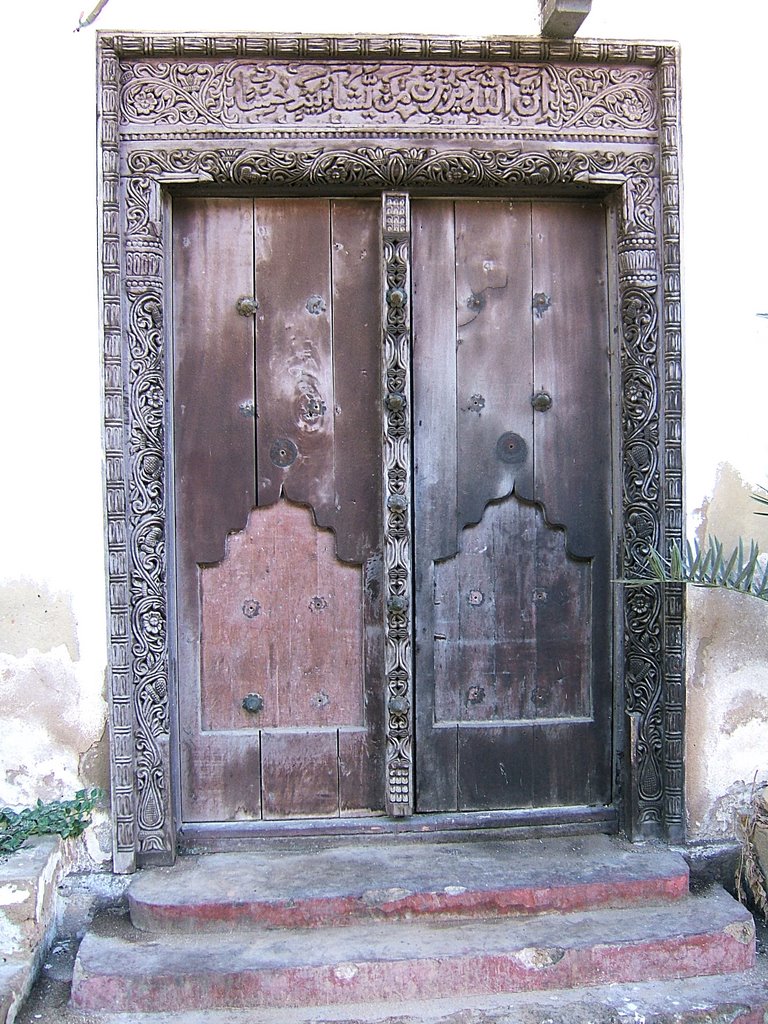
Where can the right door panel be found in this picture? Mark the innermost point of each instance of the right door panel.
(512, 460)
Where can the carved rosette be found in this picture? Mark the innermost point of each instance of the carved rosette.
(597, 152)
(398, 540)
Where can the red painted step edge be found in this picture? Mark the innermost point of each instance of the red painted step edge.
(313, 912)
(527, 970)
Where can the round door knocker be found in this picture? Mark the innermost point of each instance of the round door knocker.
(511, 448)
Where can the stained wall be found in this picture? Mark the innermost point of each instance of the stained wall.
(52, 605)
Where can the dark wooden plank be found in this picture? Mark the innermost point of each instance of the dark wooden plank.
(356, 271)
(213, 373)
(514, 546)
(494, 353)
(571, 354)
(542, 821)
(562, 613)
(529, 630)
(294, 359)
(572, 460)
(434, 480)
(223, 778)
(299, 773)
(361, 755)
(465, 630)
(571, 768)
(214, 485)
(282, 617)
(434, 377)
(361, 778)
(496, 768)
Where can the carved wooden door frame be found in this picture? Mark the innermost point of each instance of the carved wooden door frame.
(352, 115)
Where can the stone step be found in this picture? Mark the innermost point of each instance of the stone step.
(723, 999)
(123, 970)
(316, 885)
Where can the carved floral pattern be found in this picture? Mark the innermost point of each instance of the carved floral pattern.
(237, 93)
(398, 543)
(412, 167)
(146, 501)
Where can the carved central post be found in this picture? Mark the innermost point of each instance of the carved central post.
(398, 537)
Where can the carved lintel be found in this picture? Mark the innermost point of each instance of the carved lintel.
(525, 98)
(398, 536)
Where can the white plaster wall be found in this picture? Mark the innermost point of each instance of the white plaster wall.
(51, 670)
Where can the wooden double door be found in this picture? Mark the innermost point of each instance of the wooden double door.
(278, 422)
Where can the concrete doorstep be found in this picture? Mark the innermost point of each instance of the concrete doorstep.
(40, 904)
(587, 930)
(29, 881)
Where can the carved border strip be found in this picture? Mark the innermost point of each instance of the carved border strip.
(587, 51)
(119, 685)
(674, 665)
(650, 417)
(398, 539)
(143, 287)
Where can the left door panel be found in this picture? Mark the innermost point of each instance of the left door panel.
(277, 504)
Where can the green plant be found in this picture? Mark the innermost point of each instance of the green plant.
(707, 565)
(65, 818)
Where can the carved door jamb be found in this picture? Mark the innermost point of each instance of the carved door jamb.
(621, 141)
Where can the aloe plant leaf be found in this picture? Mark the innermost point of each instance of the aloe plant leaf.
(707, 564)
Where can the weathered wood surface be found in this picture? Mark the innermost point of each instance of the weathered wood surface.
(356, 271)
(214, 476)
(434, 476)
(299, 774)
(512, 618)
(573, 474)
(571, 353)
(213, 372)
(493, 353)
(513, 631)
(294, 356)
(280, 615)
(361, 752)
(222, 778)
